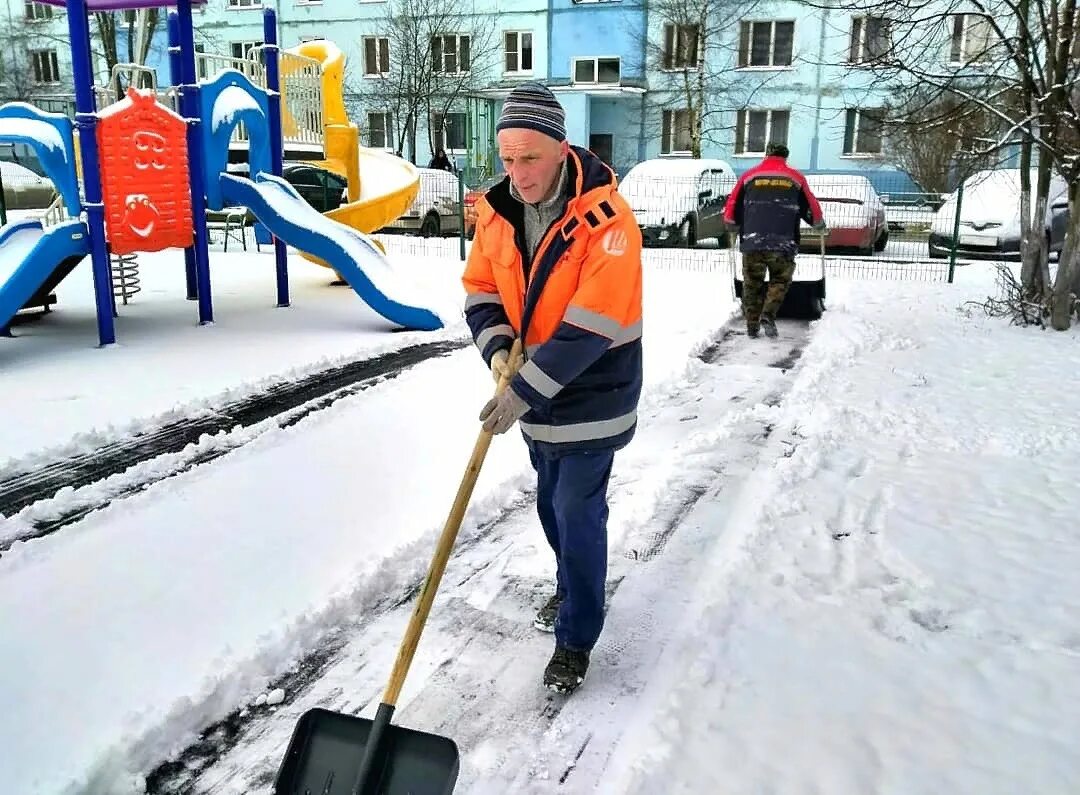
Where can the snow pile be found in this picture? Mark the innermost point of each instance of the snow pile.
(902, 614)
(230, 103)
(40, 132)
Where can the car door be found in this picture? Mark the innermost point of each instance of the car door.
(1059, 223)
(711, 198)
(333, 189)
(306, 182)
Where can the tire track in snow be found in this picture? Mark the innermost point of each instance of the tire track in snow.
(476, 675)
(128, 466)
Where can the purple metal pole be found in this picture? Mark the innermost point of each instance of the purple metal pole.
(86, 124)
(190, 108)
(176, 78)
(273, 86)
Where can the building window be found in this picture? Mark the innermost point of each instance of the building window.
(376, 55)
(46, 68)
(754, 129)
(245, 4)
(862, 131)
(970, 38)
(518, 46)
(681, 46)
(870, 39)
(596, 70)
(766, 44)
(243, 49)
(678, 123)
(380, 131)
(200, 62)
(448, 131)
(450, 54)
(36, 11)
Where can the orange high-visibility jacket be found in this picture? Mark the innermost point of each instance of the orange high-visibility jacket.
(577, 303)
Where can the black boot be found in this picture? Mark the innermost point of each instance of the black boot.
(545, 616)
(768, 325)
(566, 670)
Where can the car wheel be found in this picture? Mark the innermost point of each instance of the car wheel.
(882, 241)
(430, 226)
(689, 231)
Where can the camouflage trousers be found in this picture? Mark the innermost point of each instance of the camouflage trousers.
(755, 301)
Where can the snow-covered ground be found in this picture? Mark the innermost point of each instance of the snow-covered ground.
(842, 562)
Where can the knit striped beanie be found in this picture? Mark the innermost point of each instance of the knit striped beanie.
(533, 107)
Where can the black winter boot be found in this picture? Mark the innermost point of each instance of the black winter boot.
(545, 616)
(566, 670)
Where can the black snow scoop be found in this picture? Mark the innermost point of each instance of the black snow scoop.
(333, 753)
(805, 299)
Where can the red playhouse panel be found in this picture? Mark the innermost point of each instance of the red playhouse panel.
(142, 146)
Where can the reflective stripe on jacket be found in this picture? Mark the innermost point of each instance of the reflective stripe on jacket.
(578, 303)
(767, 203)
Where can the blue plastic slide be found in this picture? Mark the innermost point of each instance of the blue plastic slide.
(277, 205)
(32, 257)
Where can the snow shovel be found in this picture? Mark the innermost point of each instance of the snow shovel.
(334, 753)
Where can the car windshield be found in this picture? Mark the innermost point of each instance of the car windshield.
(652, 193)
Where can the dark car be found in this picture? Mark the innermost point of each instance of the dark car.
(319, 187)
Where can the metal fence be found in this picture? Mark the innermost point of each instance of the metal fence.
(873, 232)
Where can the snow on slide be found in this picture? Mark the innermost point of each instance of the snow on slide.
(349, 252)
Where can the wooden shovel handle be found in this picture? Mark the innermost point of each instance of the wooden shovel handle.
(442, 552)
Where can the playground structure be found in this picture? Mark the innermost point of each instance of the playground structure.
(154, 163)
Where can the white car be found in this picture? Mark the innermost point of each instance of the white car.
(436, 210)
(990, 216)
(679, 201)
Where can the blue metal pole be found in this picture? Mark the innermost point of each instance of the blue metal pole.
(190, 109)
(176, 73)
(273, 86)
(86, 124)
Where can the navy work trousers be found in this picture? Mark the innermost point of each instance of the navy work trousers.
(571, 499)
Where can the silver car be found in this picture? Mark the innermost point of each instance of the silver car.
(436, 210)
(23, 189)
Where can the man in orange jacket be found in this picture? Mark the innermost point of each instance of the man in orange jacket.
(556, 262)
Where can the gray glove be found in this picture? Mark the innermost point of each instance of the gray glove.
(502, 411)
(501, 364)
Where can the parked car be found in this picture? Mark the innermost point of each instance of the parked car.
(1059, 223)
(990, 216)
(321, 188)
(436, 210)
(472, 196)
(679, 201)
(25, 190)
(853, 211)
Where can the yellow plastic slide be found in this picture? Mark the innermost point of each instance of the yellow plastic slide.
(381, 185)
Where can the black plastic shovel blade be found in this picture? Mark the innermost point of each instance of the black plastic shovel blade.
(327, 748)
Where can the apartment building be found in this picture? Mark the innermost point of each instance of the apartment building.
(621, 68)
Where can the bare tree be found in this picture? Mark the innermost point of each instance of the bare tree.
(1011, 60)
(694, 51)
(938, 138)
(137, 28)
(431, 54)
(17, 81)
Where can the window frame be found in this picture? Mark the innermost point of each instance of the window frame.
(746, 47)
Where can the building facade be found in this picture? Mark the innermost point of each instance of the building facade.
(635, 84)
